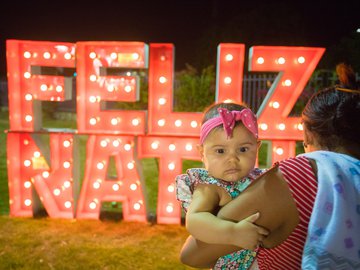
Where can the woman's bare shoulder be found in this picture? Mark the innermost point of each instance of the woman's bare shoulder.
(271, 182)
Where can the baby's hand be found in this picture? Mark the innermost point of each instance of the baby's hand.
(247, 235)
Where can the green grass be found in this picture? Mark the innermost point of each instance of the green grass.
(4, 191)
(43, 243)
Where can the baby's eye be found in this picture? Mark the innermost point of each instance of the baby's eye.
(220, 151)
(243, 149)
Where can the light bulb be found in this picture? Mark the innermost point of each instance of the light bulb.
(260, 60)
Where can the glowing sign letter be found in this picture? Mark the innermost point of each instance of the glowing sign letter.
(162, 120)
(27, 166)
(295, 66)
(98, 186)
(27, 62)
(105, 72)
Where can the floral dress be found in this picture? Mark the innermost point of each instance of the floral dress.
(185, 185)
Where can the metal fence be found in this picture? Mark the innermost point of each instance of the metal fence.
(256, 86)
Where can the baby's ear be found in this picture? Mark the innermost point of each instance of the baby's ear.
(258, 144)
(200, 148)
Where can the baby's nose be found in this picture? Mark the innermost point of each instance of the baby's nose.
(234, 157)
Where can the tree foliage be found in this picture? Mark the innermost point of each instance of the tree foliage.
(194, 91)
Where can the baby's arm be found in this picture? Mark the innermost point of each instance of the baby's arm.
(205, 226)
(198, 254)
(202, 255)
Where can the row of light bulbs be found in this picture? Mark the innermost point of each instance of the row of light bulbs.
(68, 56)
(135, 56)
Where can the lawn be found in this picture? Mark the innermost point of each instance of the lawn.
(4, 192)
(44, 243)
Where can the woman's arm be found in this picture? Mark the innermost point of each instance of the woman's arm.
(269, 195)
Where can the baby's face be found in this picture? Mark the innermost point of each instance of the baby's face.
(229, 159)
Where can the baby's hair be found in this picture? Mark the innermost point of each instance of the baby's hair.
(332, 114)
(211, 111)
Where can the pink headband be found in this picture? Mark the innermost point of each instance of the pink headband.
(228, 120)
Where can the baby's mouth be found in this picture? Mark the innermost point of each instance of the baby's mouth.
(232, 171)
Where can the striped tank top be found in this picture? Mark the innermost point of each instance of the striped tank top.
(303, 185)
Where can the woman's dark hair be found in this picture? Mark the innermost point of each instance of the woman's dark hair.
(211, 111)
(346, 76)
(332, 114)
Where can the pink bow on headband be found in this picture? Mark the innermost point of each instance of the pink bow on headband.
(228, 120)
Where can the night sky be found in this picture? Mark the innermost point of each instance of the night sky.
(195, 27)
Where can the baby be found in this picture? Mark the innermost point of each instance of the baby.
(228, 146)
